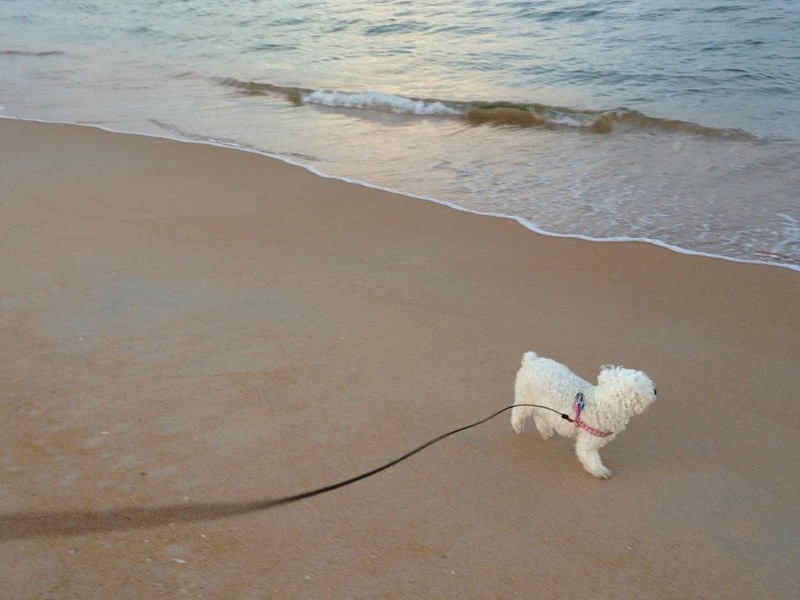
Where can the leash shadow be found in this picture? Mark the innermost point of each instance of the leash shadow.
(17, 526)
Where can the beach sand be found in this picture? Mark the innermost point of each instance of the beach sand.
(188, 327)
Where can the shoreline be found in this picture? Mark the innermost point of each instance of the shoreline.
(188, 325)
(182, 138)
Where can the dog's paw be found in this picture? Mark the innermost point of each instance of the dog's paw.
(601, 472)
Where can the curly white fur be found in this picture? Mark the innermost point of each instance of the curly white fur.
(619, 394)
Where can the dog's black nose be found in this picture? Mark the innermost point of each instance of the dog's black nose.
(655, 392)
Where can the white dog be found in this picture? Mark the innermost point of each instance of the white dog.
(596, 413)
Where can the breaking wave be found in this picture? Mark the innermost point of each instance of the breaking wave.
(500, 113)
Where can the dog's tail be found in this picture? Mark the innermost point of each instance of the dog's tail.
(521, 396)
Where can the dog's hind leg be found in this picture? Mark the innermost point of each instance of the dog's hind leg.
(543, 425)
(518, 416)
(588, 454)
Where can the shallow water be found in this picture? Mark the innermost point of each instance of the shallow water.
(675, 122)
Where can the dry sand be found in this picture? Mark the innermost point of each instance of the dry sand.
(186, 327)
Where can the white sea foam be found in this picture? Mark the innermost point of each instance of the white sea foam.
(379, 101)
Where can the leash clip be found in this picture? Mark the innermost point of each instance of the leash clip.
(580, 403)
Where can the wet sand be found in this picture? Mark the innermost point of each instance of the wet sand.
(189, 329)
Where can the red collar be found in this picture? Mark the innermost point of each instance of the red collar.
(578, 407)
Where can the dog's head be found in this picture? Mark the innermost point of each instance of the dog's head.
(633, 388)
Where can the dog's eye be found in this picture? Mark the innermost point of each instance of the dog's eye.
(655, 392)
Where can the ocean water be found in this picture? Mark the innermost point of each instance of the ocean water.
(673, 121)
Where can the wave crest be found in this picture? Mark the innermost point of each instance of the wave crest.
(380, 102)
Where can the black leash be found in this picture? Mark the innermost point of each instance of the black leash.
(265, 504)
(67, 523)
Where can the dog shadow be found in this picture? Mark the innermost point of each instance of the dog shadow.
(18, 526)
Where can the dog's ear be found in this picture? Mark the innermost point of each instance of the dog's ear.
(634, 402)
(639, 404)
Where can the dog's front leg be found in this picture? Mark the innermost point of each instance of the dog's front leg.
(587, 450)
